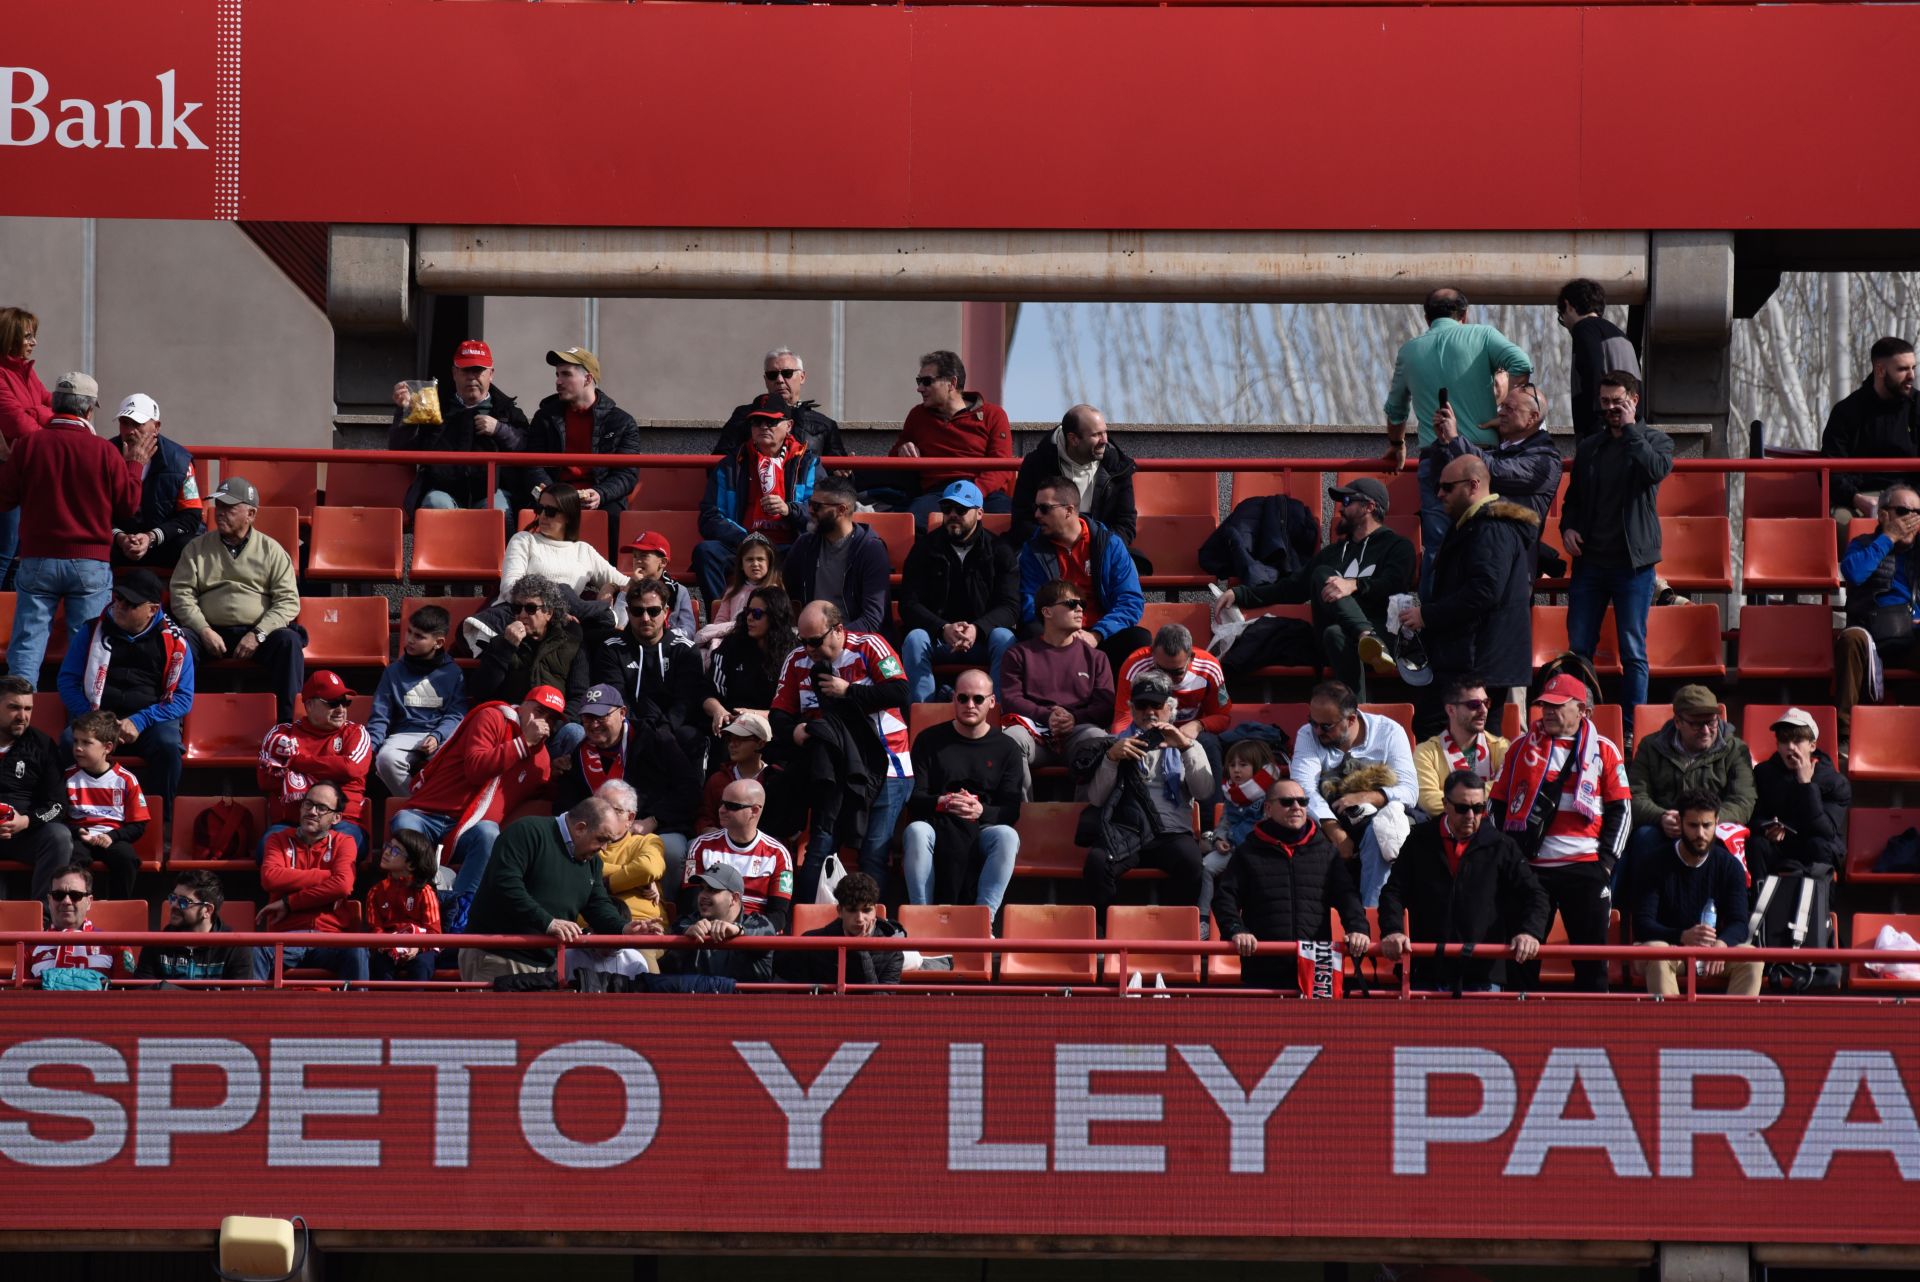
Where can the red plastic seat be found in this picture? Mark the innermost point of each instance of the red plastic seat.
(950, 921)
(367, 484)
(226, 729)
(355, 544)
(671, 489)
(1692, 494)
(279, 484)
(344, 631)
(1047, 921)
(121, 914)
(1790, 554)
(1786, 641)
(1222, 968)
(1756, 725)
(1786, 494)
(1400, 712)
(1177, 494)
(1196, 616)
(188, 854)
(1869, 829)
(1550, 639)
(681, 528)
(1172, 543)
(1684, 640)
(1865, 927)
(595, 526)
(896, 531)
(808, 917)
(1697, 553)
(458, 546)
(1047, 847)
(1152, 921)
(1886, 744)
(239, 914)
(16, 916)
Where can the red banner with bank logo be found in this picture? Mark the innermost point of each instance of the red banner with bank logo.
(963, 1115)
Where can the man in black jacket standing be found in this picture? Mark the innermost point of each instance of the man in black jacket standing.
(1599, 347)
(580, 418)
(1283, 883)
(1080, 451)
(1878, 419)
(785, 374)
(1479, 618)
(960, 595)
(475, 418)
(1463, 882)
(1611, 528)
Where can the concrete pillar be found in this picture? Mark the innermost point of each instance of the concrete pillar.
(1688, 357)
(1704, 1262)
(370, 302)
(983, 346)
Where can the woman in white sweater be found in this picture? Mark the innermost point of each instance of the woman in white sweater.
(551, 548)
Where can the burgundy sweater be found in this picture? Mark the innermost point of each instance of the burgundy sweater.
(72, 487)
(1035, 677)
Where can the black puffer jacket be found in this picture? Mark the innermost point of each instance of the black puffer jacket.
(614, 432)
(1816, 811)
(863, 967)
(1493, 897)
(1112, 501)
(467, 485)
(1479, 619)
(942, 587)
(1279, 890)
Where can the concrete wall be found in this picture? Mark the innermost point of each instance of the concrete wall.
(192, 313)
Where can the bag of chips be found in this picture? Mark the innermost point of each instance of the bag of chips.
(424, 409)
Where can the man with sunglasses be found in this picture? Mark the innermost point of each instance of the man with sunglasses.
(655, 669)
(842, 702)
(307, 876)
(1880, 568)
(69, 900)
(960, 595)
(1696, 752)
(1202, 704)
(475, 418)
(1337, 740)
(762, 863)
(640, 749)
(763, 486)
(1461, 882)
(839, 559)
(951, 422)
(967, 783)
(193, 909)
(1067, 545)
(1284, 883)
(324, 744)
(785, 375)
(1056, 688)
(1464, 744)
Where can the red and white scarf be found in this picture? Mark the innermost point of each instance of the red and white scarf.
(100, 657)
(1527, 765)
(1254, 789)
(597, 772)
(1482, 759)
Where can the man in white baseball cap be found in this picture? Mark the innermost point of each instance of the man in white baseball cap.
(170, 512)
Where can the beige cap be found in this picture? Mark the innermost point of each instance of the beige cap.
(79, 384)
(751, 723)
(580, 356)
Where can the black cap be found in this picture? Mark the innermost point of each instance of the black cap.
(139, 587)
(1367, 488)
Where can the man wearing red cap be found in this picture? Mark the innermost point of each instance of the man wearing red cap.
(495, 761)
(762, 488)
(322, 744)
(1562, 795)
(651, 552)
(475, 418)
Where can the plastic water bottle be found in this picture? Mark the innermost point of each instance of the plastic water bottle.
(1710, 915)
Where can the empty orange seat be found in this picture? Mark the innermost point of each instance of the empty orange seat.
(344, 631)
(1866, 926)
(1692, 494)
(280, 484)
(16, 916)
(1885, 744)
(595, 526)
(1869, 829)
(458, 546)
(950, 921)
(1047, 848)
(670, 489)
(1177, 494)
(1194, 615)
(896, 531)
(1697, 553)
(367, 484)
(1222, 968)
(1152, 921)
(355, 543)
(1172, 544)
(1288, 717)
(121, 914)
(1756, 726)
(226, 729)
(1684, 640)
(680, 528)
(1786, 641)
(1047, 921)
(1790, 554)
(1550, 639)
(1400, 712)
(808, 917)
(1786, 494)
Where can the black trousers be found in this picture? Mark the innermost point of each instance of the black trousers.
(1578, 892)
(123, 864)
(1176, 854)
(282, 654)
(48, 847)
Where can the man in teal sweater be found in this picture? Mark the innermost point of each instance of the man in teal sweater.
(545, 873)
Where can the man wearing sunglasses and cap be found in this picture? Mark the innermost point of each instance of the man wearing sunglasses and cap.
(785, 374)
(1458, 881)
(960, 595)
(324, 745)
(580, 418)
(651, 553)
(133, 662)
(764, 486)
(475, 418)
(170, 510)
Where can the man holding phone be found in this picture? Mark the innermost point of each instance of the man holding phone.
(1141, 800)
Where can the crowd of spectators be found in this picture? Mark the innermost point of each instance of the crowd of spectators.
(722, 772)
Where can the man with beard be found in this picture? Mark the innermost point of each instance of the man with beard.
(1464, 744)
(1080, 450)
(193, 910)
(1878, 419)
(1695, 896)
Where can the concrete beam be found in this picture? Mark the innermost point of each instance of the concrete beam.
(1703, 1262)
(1309, 267)
(1689, 340)
(369, 285)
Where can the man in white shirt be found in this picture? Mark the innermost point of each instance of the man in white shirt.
(1337, 740)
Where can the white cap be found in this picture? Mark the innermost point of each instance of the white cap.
(140, 408)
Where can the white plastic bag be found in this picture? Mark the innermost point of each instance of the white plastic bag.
(831, 874)
(1895, 941)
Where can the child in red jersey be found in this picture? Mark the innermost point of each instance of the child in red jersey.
(404, 903)
(106, 808)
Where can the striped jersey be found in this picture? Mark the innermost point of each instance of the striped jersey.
(1200, 692)
(765, 867)
(1571, 837)
(866, 660)
(102, 803)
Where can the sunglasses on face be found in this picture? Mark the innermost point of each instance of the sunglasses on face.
(780, 374)
(971, 700)
(1041, 509)
(1448, 487)
(649, 611)
(332, 703)
(734, 807)
(814, 643)
(1288, 803)
(70, 896)
(1326, 727)
(1467, 808)
(1471, 705)
(548, 509)
(1069, 605)
(924, 381)
(183, 903)
(1901, 509)
(954, 509)
(529, 607)
(754, 612)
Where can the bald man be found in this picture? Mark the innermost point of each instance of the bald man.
(1477, 621)
(764, 865)
(1080, 450)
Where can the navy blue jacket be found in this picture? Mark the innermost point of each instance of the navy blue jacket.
(863, 596)
(1672, 896)
(169, 482)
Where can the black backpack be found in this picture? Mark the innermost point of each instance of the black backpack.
(1791, 911)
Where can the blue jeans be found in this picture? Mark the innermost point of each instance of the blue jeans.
(920, 648)
(441, 501)
(1590, 591)
(1434, 524)
(347, 963)
(1373, 869)
(566, 740)
(881, 818)
(470, 854)
(999, 848)
(9, 542)
(43, 582)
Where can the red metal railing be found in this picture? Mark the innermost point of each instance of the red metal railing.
(1117, 951)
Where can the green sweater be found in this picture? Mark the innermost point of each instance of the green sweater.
(532, 880)
(254, 588)
(1462, 359)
